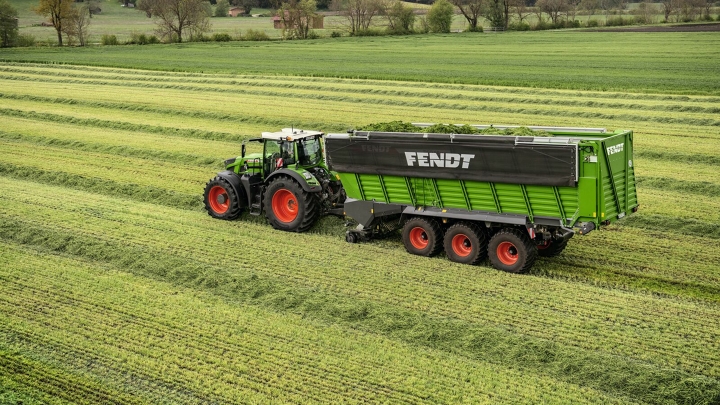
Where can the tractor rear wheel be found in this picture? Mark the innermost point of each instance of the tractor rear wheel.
(221, 201)
(512, 250)
(466, 243)
(422, 236)
(551, 247)
(288, 207)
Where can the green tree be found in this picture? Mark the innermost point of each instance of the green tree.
(222, 8)
(401, 18)
(440, 16)
(8, 24)
(58, 11)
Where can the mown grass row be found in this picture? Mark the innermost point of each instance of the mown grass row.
(602, 320)
(393, 89)
(365, 85)
(118, 150)
(165, 336)
(621, 114)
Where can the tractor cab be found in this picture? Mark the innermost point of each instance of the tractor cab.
(289, 148)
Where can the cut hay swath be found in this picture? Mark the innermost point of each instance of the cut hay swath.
(116, 286)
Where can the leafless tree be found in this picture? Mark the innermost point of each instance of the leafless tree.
(471, 10)
(176, 18)
(553, 8)
(521, 9)
(297, 17)
(76, 26)
(590, 6)
(669, 7)
(360, 13)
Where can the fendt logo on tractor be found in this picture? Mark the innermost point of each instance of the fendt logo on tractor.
(428, 159)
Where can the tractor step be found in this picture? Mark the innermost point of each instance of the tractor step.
(255, 209)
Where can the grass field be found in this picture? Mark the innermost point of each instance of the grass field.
(116, 286)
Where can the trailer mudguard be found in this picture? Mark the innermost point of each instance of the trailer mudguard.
(297, 177)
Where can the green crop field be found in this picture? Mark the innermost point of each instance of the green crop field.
(117, 287)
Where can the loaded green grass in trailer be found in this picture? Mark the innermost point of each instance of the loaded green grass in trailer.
(510, 197)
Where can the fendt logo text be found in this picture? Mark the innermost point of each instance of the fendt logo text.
(448, 160)
(615, 149)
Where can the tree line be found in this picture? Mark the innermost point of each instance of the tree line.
(179, 19)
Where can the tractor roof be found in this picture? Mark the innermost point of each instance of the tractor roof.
(293, 133)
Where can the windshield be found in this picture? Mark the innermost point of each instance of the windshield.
(309, 151)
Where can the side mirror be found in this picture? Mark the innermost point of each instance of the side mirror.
(242, 154)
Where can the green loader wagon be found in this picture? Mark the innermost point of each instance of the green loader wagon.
(511, 198)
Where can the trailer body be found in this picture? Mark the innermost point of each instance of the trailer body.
(576, 180)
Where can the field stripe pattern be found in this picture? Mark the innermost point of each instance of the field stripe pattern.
(104, 181)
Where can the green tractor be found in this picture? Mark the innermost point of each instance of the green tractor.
(289, 181)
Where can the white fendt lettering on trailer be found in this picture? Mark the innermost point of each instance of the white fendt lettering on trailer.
(429, 159)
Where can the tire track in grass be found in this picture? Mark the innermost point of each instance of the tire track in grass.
(610, 374)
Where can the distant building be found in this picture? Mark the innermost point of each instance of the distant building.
(236, 11)
(317, 22)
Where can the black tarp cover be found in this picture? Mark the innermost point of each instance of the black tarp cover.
(500, 159)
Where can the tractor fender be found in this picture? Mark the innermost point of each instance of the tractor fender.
(234, 181)
(295, 176)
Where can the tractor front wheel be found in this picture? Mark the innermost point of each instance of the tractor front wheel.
(221, 201)
(288, 207)
(512, 250)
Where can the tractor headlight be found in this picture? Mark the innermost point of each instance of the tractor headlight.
(307, 175)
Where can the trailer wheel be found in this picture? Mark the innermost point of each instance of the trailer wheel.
(466, 243)
(288, 207)
(512, 250)
(221, 201)
(551, 247)
(422, 237)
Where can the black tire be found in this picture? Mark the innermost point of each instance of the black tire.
(466, 243)
(552, 248)
(351, 237)
(422, 237)
(299, 210)
(221, 200)
(512, 250)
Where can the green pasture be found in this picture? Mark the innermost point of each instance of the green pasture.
(661, 63)
(117, 287)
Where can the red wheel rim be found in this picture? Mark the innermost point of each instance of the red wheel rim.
(507, 253)
(284, 205)
(419, 238)
(217, 194)
(461, 245)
